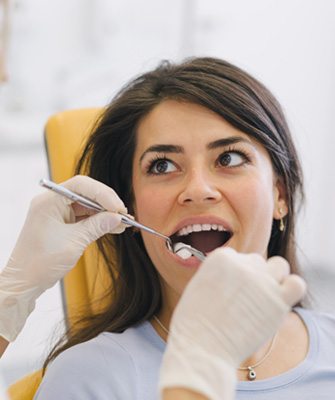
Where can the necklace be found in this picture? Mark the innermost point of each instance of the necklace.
(250, 368)
(161, 325)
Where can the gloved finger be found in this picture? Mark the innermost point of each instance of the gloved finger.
(92, 228)
(50, 204)
(96, 191)
(293, 289)
(81, 212)
(255, 261)
(278, 268)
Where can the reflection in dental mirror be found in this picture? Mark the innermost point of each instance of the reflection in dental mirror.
(182, 251)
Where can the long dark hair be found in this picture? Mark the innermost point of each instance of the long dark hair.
(108, 156)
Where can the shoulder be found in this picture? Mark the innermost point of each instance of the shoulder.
(321, 327)
(88, 370)
(324, 321)
(104, 367)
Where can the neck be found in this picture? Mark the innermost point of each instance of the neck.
(290, 348)
(170, 300)
(260, 353)
(163, 322)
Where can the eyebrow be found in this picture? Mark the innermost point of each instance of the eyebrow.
(171, 148)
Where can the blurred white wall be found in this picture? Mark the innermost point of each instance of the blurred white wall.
(73, 53)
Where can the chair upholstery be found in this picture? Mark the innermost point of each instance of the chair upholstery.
(25, 388)
(65, 133)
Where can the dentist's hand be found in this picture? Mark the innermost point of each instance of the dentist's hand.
(232, 305)
(53, 238)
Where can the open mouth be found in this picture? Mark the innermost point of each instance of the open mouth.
(203, 237)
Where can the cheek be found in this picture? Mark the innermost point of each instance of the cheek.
(152, 209)
(256, 197)
(254, 211)
(151, 204)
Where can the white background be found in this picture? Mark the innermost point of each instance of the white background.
(74, 53)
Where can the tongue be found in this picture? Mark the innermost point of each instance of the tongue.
(206, 241)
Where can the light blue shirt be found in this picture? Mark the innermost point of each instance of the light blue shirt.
(126, 366)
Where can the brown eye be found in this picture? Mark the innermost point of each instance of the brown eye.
(231, 159)
(225, 159)
(161, 166)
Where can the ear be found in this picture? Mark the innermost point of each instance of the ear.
(280, 208)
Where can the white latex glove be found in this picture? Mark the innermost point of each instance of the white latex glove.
(233, 304)
(50, 244)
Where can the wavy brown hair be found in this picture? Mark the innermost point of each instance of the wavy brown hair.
(230, 92)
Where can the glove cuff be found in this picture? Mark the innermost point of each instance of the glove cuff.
(14, 311)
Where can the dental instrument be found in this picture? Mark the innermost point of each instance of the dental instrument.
(181, 249)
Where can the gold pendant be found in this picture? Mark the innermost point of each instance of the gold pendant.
(251, 374)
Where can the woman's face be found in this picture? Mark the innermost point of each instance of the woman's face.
(198, 178)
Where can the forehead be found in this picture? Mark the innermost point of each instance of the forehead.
(184, 123)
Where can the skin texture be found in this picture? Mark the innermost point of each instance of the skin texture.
(247, 196)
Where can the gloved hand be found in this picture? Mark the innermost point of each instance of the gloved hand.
(53, 238)
(233, 304)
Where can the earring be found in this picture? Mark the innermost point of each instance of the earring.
(281, 223)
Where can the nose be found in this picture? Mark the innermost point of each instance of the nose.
(199, 188)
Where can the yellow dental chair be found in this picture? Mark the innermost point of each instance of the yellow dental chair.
(65, 134)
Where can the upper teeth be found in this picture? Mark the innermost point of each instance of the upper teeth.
(199, 227)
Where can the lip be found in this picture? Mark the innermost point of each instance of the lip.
(191, 262)
(201, 219)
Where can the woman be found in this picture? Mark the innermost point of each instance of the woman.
(197, 336)
(201, 152)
